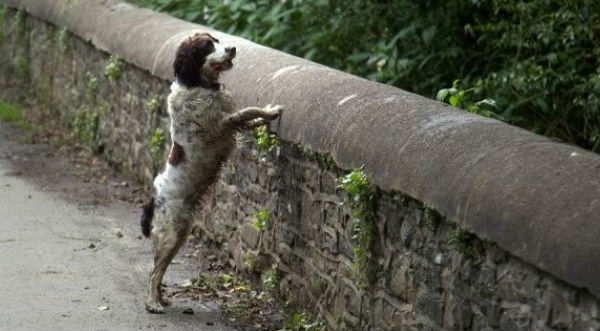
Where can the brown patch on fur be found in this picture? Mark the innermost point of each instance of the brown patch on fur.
(176, 155)
(190, 58)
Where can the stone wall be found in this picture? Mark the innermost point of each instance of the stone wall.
(422, 271)
(114, 115)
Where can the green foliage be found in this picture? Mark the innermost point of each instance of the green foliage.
(251, 262)
(466, 243)
(156, 143)
(20, 18)
(223, 281)
(270, 279)
(204, 283)
(11, 113)
(261, 218)
(362, 199)
(2, 19)
(266, 141)
(21, 65)
(432, 218)
(85, 125)
(538, 60)
(153, 104)
(463, 98)
(114, 68)
(226, 280)
(325, 160)
(91, 85)
(300, 321)
(63, 40)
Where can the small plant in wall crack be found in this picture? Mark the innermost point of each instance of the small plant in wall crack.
(21, 65)
(2, 13)
(325, 159)
(63, 40)
(153, 104)
(270, 280)
(265, 140)
(91, 86)
(21, 28)
(261, 218)
(85, 125)
(114, 68)
(362, 201)
(155, 145)
(466, 243)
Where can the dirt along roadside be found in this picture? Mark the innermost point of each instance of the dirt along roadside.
(73, 257)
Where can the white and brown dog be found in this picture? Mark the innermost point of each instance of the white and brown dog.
(204, 121)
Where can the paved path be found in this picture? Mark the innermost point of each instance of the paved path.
(60, 262)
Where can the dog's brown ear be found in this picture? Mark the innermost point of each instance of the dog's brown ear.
(190, 57)
(203, 35)
(212, 38)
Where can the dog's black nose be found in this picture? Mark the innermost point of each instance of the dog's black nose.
(230, 50)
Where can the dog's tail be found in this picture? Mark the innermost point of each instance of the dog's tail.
(147, 215)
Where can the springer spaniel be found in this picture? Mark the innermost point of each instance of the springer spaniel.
(204, 121)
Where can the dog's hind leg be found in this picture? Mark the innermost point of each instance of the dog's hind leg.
(167, 242)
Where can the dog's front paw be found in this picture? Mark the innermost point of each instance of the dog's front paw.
(154, 307)
(272, 112)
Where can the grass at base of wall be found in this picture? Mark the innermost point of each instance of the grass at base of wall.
(13, 114)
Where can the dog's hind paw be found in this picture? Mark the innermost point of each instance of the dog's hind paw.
(165, 302)
(154, 307)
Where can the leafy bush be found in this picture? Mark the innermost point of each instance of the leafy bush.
(538, 60)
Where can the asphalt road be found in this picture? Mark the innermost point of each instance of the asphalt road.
(64, 266)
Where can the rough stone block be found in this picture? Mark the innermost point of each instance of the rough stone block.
(250, 234)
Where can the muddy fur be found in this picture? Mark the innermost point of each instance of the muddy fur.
(204, 121)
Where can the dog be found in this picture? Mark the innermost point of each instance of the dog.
(204, 122)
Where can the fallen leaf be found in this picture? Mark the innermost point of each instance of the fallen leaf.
(239, 288)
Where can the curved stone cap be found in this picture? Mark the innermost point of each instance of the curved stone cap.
(538, 199)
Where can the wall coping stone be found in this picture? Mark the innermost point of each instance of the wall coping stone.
(536, 198)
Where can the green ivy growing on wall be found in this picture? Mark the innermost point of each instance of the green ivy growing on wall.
(85, 125)
(2, 19)
(63, 40)
(153, 104)
(466, 243)
(21, 61)
(114, 68)
(155, 146)
(362, 196)
(20, 17)
(91, 86)
(265, 141)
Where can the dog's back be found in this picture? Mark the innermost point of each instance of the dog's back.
(202, 144)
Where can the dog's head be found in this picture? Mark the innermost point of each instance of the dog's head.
(200, 59)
